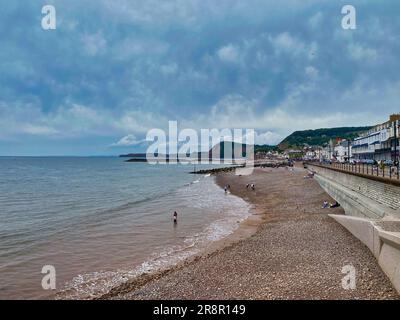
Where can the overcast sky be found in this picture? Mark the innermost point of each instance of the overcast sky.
(113, 69)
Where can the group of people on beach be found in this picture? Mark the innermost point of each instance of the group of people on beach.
(326, 205)
(252, 186)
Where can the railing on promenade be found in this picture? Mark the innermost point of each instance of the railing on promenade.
(384, 171)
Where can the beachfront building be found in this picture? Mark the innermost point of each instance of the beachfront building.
(328, 150)
(318, 153)
(309, 153)
(312, 153)
(380, 142)
(342, 151)
(326, 153)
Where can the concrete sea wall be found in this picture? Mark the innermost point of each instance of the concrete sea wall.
(359, 196)
(372, 209)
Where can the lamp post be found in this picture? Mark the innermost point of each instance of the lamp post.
(348, 150)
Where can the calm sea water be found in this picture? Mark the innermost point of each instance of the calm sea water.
(102, 221)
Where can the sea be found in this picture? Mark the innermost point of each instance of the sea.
(99, 222)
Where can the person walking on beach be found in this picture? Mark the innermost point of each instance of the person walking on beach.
(175, 217)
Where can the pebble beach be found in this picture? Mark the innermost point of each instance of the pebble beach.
(292, 250)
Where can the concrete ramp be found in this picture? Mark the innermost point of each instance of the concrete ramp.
(384, 244)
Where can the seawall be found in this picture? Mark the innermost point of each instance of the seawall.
(360, 195)
(372, 207)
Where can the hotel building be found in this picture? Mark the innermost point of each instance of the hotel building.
(380, 142)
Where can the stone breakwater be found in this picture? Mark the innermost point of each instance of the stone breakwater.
(259, 164)
(216, 170)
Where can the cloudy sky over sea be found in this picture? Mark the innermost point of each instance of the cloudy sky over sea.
(113, 69)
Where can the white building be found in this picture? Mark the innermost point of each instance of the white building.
(310, 154)
(327, 152)
(380, 142)
(342, 151)
(319, 153)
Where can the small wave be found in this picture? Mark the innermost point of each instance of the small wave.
(97, 284)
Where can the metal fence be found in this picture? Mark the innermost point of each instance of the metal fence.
(367, 169)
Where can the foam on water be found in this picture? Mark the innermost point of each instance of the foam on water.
(205, 194)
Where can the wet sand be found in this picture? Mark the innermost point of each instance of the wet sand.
(289, 249)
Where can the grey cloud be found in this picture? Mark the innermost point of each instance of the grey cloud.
(138, 64)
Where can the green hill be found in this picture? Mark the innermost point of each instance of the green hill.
(319, 137)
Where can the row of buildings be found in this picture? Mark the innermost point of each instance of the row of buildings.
(381, 142)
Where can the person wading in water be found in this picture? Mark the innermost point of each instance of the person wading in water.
(175, 217)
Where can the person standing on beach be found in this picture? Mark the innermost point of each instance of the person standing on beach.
(175, 217)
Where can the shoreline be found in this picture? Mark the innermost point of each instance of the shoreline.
(246, 229)
(293, 250)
